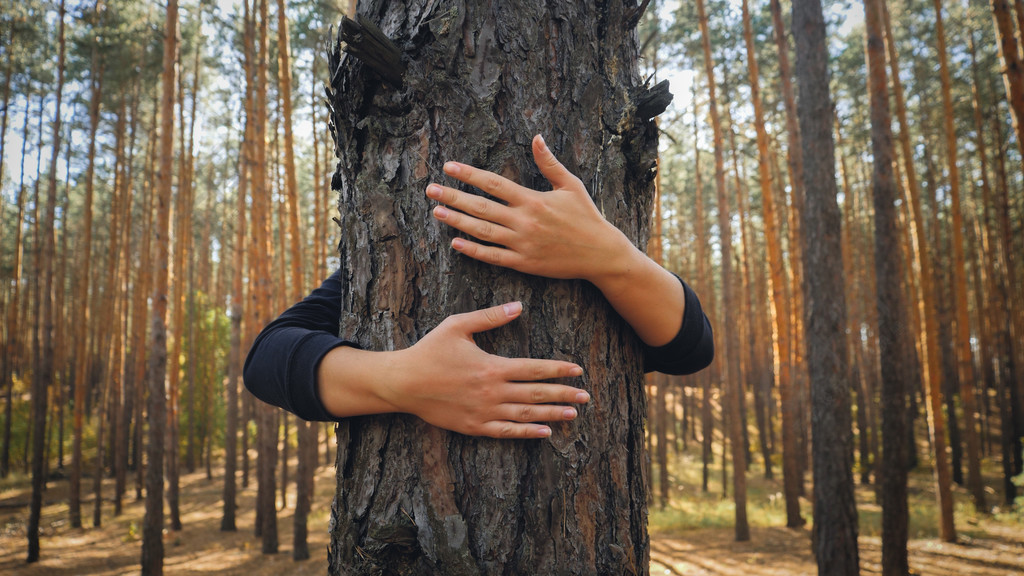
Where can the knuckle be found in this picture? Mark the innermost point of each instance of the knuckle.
(492, 182)
(537, 395)
(481, 206)
(525, 414)
(486, 231)
(506, 430)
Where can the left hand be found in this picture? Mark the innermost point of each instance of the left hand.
(556, 234)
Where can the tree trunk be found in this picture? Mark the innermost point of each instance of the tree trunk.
(728, 359)
(894, 339)
(780, 302)
(262, 292)
(933, 375)
(13, 348)
(1013, 67)
(480, 82)
(44, 368)
(152, 526)
(965, 355)
(227, 523)
(702, 286)
(82, 279)
(835, 512)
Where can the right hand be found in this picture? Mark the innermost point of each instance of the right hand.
(448, 381)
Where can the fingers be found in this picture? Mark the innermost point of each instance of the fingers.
(483, 229)
(469, 203)
(550, 167)
(487, 318)
(489, 182)
(493, 255)
(513, 430)
(544, 393)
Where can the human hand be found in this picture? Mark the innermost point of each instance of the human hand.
(556, 234)
(448, 381)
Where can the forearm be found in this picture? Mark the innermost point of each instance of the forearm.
(351, 382)
(648, 297)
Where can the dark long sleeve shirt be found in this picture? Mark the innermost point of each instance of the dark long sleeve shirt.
(281, 368)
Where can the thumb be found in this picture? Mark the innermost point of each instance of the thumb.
(488, 318)
(550, 167)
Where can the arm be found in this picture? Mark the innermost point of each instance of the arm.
(299, 363)
(561, 234)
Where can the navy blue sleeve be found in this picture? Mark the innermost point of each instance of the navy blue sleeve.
(282, 364)
(283, 361)
(692, 349)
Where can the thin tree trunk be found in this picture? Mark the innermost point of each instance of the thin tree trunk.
(152, 527)
(44, 369)
(895, 341)
(792, 478)
(933, 375)
(262, 291)
(227, 523)
(730, 356)
(965, 354)
(13, 348)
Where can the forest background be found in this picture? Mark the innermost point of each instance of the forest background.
(80, 126)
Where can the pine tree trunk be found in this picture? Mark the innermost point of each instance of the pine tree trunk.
(965, 355)
(14, 345)
(835, 512)
(231, 418)
(702, 286)
(728, 359)
(936, 418)
(44, 366)
(266, 416)
(481, 80)
(1012, 66)
(895, 341)
(152, 526)
(792, 478)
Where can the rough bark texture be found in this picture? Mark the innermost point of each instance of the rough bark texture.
(894, 339)
(43, 374)
(479, 82)
(835, 515)
(152, 525)
(965, 354)
(936, 417)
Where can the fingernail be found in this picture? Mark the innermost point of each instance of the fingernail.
(440, 212)
(576, 371)
(512, 308)
(544, 432)
(452, 168)
(542, 142)
(568, 414)
(582, 398)
(458, 243)
(434, 191)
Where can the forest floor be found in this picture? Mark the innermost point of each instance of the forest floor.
(693, 535)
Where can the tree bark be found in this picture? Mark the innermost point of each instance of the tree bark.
(933, 375)
(152, 526)
(1012, 66)
(965, 355)
(835, 511)
(262, 291)
(480, 81)
(894, 339)
(44, 367)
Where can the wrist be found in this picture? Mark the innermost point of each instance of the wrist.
(354, 382)
(618, 263)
